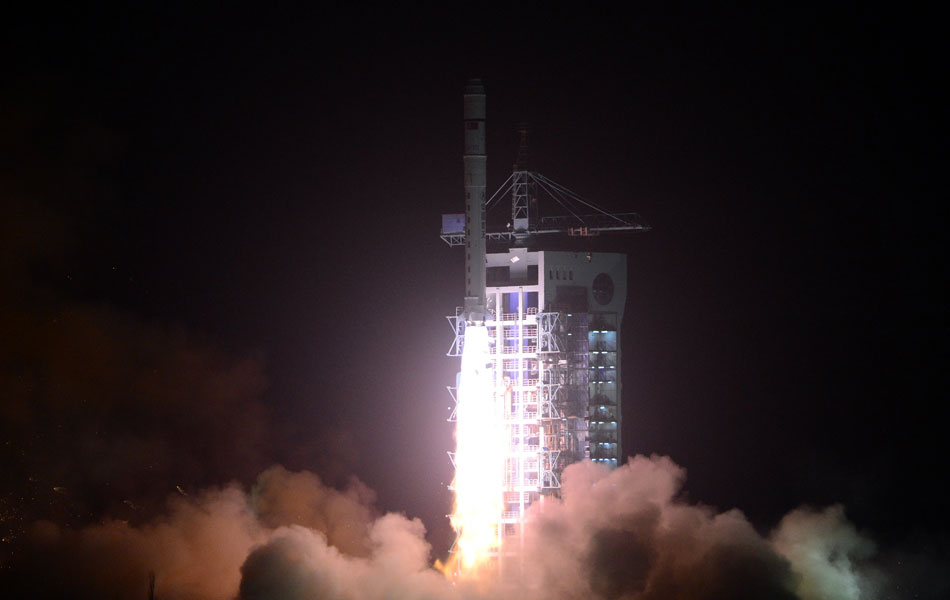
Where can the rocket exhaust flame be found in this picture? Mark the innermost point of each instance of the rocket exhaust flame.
(479, 457)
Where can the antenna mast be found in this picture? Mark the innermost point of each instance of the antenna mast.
(522, 190)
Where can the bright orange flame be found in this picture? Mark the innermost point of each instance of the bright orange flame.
(479, 457)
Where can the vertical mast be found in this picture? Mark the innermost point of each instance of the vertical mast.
(522, 191)
(475, 161)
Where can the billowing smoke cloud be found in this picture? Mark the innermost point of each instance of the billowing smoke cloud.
(624, 534)
(298, 563)
(194, 551)
(826, 551)
(615, 534)
(283, 498)
(197, 549)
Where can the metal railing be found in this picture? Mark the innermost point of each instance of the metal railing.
(529, 314)
(530, 331)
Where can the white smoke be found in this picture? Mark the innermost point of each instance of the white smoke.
(825, 550)
(624, 534)
(614, 534)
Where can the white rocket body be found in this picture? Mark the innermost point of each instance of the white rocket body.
(475, 161)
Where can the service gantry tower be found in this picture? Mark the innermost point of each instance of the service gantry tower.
(553, 318)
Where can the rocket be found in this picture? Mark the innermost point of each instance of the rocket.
(475, 162)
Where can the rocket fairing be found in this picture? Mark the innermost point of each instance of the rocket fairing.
(475, 162)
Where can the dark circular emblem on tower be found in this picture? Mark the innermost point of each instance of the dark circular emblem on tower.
(603, 288)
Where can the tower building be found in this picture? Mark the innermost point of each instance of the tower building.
(553, 319)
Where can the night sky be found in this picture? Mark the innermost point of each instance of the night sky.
(220, 248)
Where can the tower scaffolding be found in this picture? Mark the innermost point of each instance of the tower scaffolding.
(553, 324)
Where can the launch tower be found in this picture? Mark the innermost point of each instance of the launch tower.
(553, 319)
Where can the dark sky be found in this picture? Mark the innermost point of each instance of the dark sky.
(250, 201)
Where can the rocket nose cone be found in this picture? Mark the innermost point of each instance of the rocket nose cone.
(474, 86)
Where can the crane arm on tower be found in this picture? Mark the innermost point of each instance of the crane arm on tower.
(584, 219)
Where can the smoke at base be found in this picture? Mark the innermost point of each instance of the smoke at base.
(615, 534)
